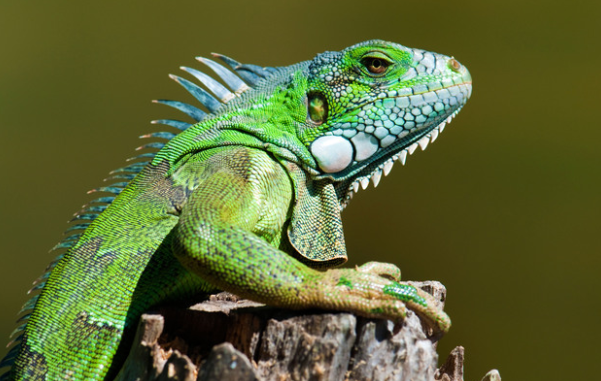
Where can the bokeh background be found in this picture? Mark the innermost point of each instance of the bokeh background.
(503, 208)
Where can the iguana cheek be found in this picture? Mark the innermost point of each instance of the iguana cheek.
(332, 153)
(365, 145)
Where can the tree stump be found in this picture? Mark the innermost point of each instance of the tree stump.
(225, 338)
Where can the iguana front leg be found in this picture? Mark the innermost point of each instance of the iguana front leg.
(229, 232)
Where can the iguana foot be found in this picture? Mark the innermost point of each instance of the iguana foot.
(368, 292)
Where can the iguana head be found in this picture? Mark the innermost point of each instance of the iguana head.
(374, 103)
(354, 112)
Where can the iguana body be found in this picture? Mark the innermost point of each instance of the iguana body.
(246, 200)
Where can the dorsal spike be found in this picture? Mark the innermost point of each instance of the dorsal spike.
(65, 243)
(72, 238)
(44, 277)
(198, 92)
(12, 351)
(135, 168)
(124, 176)
(216, 88)
(248, 76)
(37, 287)
(232, 63)
(62, 245)
(10, 357)
(130, 168)
(29, 304)
(83, 226)
(101, 200)
(256, 69)
(121, 184)
(194, 113)
(20, 328)
(235, 83)
(50, 266)
(114, 190)
(183, 126)
(155, 145)
(251, 78)
(17, 339)
(84, 217)
(23, 318)
(147, 155)
(160, 135)
(94, 209)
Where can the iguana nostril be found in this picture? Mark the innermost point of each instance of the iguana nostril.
(454, 65)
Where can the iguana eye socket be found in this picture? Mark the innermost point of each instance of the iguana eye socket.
(375, 65)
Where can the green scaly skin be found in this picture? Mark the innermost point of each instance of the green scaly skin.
(248, 200)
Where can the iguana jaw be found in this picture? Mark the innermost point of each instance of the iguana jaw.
(359, 173)
(372, 172)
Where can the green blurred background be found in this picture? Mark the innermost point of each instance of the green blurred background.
(503, 208)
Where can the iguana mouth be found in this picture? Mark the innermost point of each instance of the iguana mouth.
(391, 143)
(373, 171)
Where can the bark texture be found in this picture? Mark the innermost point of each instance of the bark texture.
(225, 339)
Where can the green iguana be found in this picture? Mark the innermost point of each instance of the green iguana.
(246, 199)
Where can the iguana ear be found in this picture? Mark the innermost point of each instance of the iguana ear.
(315, 229)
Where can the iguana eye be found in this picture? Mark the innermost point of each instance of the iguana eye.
(375, 65)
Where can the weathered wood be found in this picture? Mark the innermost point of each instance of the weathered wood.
(145, 361)
(452, 369)
(229, 339)
(225, 363)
